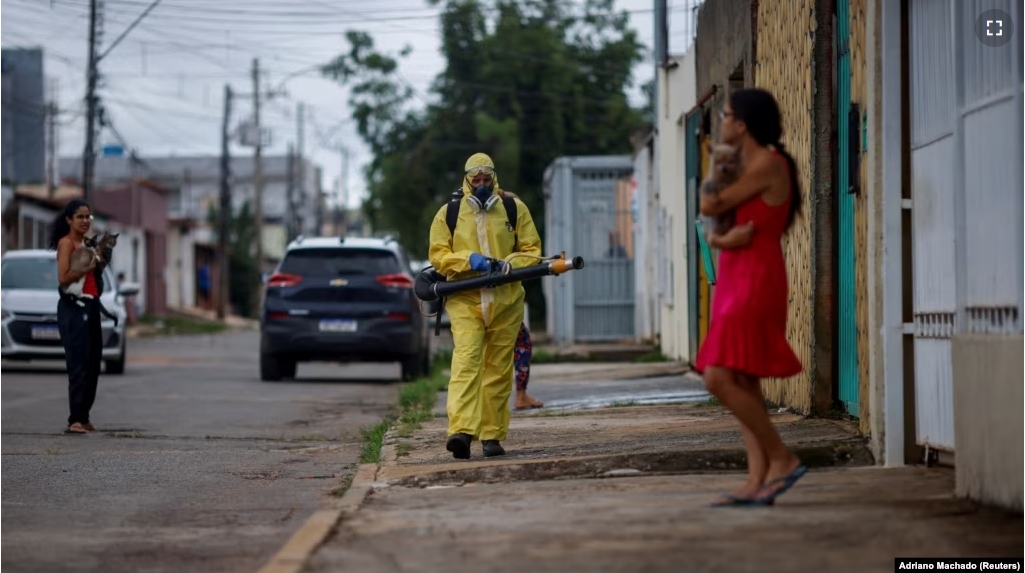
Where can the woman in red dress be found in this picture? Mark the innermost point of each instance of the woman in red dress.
(746, 339)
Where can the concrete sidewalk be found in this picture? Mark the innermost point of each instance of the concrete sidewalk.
(628, 489)
(559, 445)
(853, 520)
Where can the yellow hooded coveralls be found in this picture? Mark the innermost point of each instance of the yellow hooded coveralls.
(485, 322)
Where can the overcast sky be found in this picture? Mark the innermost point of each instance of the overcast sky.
(163, 85)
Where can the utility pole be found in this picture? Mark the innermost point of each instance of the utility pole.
(299, 165)
(290, 190)
(342, 202)
(186, 214)
(89, 155)
(258, 173)
(51, 140)
(186, 195)
(224, 211)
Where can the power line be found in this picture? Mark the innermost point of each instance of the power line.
(128, 29)
(247, 36)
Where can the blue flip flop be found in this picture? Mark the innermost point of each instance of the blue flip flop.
(730, 500)
(788, 482)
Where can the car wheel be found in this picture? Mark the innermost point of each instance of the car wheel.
(270, 368)
(287, 368)
(410, 368)
(117, 365)
(425, 364)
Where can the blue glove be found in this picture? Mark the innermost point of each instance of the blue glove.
(479, 262)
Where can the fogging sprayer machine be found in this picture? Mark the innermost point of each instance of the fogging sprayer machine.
(431, 285)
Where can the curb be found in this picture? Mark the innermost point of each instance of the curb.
(389, 455)
(292, 557)
(852, 452)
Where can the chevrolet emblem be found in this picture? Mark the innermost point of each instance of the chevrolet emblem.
(339, 282)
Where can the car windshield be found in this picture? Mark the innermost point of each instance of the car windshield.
(33, 273)
(339, 262)
(29, 273)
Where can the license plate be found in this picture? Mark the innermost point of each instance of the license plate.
(338, 326)
(45, 333)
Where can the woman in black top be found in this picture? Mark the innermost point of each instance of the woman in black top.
(78, 318)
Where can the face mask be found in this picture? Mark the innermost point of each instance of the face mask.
(482, 193)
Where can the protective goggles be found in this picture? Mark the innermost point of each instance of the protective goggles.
(485, 169)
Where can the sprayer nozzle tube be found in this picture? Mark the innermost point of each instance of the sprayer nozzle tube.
(561, 265)
(431, 286)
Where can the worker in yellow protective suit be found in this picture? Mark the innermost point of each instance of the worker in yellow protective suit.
(485, 322)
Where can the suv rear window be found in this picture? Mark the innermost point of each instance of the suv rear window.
(340, 262)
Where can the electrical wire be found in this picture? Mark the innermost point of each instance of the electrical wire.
(259, 24)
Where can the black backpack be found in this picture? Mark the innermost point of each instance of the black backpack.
(451, 217)
(452, 214)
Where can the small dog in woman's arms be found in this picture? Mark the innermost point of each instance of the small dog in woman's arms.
(726, 168)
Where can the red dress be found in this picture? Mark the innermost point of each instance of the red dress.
(749, 309)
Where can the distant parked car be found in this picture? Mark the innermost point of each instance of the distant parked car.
(342, 299)
(28, 303)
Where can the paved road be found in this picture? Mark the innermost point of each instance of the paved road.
(198, 466)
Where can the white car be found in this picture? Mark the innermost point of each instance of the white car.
(28, 303)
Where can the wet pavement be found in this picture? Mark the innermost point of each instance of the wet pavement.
(581, 394)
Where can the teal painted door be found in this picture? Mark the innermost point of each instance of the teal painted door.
(847, 332)
(693, 175)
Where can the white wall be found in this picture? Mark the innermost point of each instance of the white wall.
(194, 201)
(275, 240)
(181, 269)
(134, 270)
(34, 226)
(678, 93)
(645, 239)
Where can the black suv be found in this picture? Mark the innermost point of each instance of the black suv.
(344, 300)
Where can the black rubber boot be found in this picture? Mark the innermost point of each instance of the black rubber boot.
(459, 445)
(493, 448)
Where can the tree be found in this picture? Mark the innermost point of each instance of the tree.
(525, 81)
(241, 260)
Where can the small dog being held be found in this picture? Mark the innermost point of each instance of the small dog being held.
(726, 168)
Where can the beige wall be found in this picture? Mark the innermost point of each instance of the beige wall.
(275, 240)
(784, 48)
(988, 396)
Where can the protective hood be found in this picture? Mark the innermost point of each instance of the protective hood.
(479, 160)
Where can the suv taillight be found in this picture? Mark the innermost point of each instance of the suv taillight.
(283, 280)
(397, 280)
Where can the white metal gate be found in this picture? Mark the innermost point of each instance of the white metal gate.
(966, 194)
(587, 214)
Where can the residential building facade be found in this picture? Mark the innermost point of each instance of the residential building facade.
(24, 111)
(291, 206)
(905, 267)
